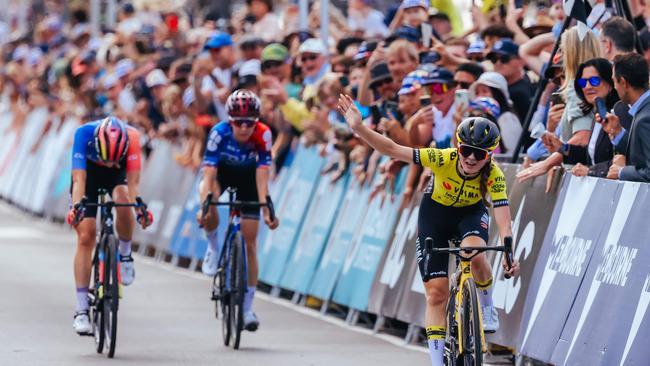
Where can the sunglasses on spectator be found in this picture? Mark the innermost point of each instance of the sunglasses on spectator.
(271, 64)
(437, 88)
(305, 58)
(464, 84)
(467, 150)
(594, 81)
(476, 57)
(243, 122)
(494, 58)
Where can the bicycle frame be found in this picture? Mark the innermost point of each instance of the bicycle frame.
(464, 273)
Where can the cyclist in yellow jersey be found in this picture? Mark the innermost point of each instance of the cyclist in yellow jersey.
(466, 181)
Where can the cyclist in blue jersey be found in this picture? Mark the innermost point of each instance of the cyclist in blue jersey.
(238, 155)
(105, 154)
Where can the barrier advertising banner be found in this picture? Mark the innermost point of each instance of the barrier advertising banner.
(351, 214)
(278, 246)
(353, 286)
(314, 234)
(394, 269)
(579, 220)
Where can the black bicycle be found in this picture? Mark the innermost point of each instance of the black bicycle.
(106, 290)
(465, 343)
(229, 284)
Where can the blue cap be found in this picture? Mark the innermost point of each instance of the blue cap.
(413, 81)
(505, 46)
(476, 47)
(486, 105)
(439, 75)
(218, 40)
(405, 32)
(414, 3)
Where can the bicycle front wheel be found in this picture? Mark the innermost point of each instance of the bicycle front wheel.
(97, 305)
(471, 319)
(112, 293)
(239, 282)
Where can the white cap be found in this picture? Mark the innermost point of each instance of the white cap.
(313, 45)
(123, 67)
(494, 80)
(156, 77)
(188, 97)
(110, 81)
(20, 53)
(250, 67)
(35, 56)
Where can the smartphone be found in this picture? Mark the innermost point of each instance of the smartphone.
(427, 32)
(430, 57)
(461, 97)
(601, 108)
(425, 101)
(557, 98)
(375, 113)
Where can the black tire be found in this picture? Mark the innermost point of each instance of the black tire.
(96, 308)
(224, 305)
(451, 346)
(112, 294)
(239, 283)
(472, 342)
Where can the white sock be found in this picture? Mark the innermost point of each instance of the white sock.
(212, 239)
(436, 341)
(485, 292)
(125, 247)
(82, 298)
(248, 299)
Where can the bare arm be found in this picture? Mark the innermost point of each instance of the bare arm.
(209, 181)
(379, 142)
(78, 185)
(532, 52)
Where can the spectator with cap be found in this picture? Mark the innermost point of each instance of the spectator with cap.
(493, 85)
(248, 73)
(385, 89)
(313, 61)
(493, 33)
(213, 76)
(129, 24)
(411, 13)
(126, 99)
(436, 122)
(440, 22)
(617, 37)
(156, 82)
(251, 47)
(365, 21)
(505, 57)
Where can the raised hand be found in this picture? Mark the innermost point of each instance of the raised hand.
(349, 111)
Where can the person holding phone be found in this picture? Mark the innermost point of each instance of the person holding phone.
(595, 88)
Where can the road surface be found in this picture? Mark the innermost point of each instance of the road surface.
(165, 318)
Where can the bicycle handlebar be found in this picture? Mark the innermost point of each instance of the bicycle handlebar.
(236, 204)
(506, 248)
(139, 203)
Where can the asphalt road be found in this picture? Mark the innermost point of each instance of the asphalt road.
(165, 318)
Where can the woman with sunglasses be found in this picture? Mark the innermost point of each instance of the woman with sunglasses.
(593, 81)
(238, 155)
(466, 182)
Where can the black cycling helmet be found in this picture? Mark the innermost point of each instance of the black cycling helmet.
(479, 132)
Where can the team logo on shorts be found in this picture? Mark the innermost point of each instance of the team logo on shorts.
(485, 221)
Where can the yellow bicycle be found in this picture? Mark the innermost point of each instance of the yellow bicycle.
(465, 337)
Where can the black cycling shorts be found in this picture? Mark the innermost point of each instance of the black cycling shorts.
(101, 177)
(443, 223)
(243, 180)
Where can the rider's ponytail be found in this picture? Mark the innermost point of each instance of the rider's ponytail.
(485, 174)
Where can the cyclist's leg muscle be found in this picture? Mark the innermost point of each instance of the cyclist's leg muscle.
(436, 291)
(84, 252)
(473, 228)
(249, 228)
(125, 220)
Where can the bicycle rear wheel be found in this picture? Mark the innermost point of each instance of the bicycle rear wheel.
(239, 282)
(97, 305)
(112, 293)
(471, 318)
(223, 303)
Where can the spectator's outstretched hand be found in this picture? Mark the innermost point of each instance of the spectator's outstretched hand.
(349, 111)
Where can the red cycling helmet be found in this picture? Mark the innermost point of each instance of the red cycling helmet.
(243, 104)
(111, 140)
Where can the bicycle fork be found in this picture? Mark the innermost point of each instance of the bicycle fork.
(465, 274)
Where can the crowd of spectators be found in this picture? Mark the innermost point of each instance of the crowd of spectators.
(413, 70)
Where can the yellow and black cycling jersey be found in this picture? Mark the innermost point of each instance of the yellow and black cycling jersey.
(450, 188)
